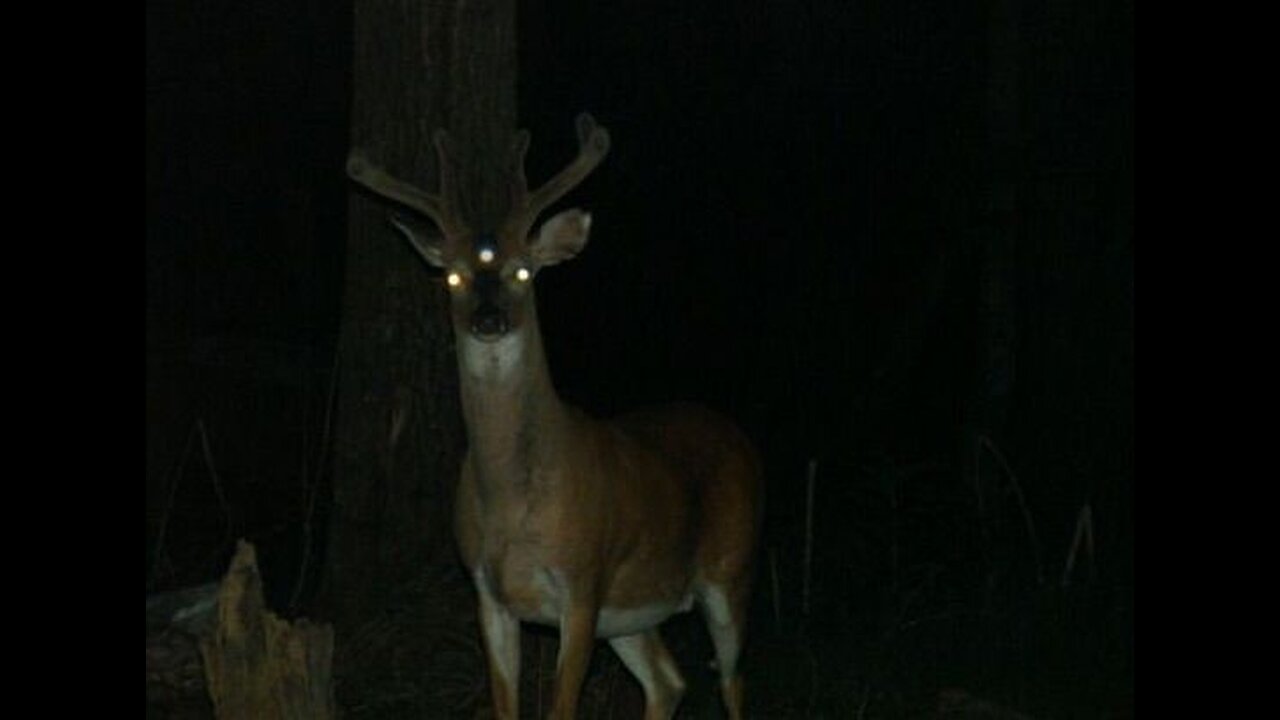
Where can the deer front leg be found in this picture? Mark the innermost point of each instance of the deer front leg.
(577, 637)
(501, 632)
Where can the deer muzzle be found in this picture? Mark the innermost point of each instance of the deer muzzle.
(489, 320)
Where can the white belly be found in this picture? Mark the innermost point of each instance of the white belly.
(629, 621)
(553, 601)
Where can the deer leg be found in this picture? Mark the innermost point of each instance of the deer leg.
(646, 656)
(577, 636)
(724, 608)
(501, 632)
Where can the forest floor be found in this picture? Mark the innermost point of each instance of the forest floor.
(916, 609)
(1048, 653)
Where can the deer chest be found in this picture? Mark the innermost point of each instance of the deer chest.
(524, 579)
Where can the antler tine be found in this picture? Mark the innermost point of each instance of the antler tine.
(593, 145)
(439, 207)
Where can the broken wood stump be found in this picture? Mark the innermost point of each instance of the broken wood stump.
(255, 665)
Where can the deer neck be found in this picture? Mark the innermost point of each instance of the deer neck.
(510, 408)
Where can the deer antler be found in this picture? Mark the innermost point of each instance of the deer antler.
(440, 207)
(593, 144)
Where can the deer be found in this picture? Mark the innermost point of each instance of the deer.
(600, 528)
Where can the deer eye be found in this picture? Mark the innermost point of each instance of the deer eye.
(523, 275)
(454, 279)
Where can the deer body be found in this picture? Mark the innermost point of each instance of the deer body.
(602, 529)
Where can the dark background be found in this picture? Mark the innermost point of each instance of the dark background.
(787, 227)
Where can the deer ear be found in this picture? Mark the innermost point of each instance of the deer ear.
(561, 237)
(430, 251)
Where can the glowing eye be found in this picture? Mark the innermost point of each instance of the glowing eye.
(523, 274)
(486, 256)
(454, 280)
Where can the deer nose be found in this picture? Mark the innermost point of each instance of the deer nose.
(489, 319)
(489, 323)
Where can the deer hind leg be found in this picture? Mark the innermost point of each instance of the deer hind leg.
(646, 656)
(724, 607)
(501, 632)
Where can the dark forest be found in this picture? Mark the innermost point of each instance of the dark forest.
(893, 241)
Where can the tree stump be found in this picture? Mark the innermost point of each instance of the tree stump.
(259, 666)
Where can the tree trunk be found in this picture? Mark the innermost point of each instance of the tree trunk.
(417, 66)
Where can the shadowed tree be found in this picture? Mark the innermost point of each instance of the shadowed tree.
(418, 65)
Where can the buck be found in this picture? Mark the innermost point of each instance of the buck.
(602, 529)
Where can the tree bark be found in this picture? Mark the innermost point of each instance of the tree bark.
(417, 66)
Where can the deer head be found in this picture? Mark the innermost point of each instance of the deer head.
(490, 271)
